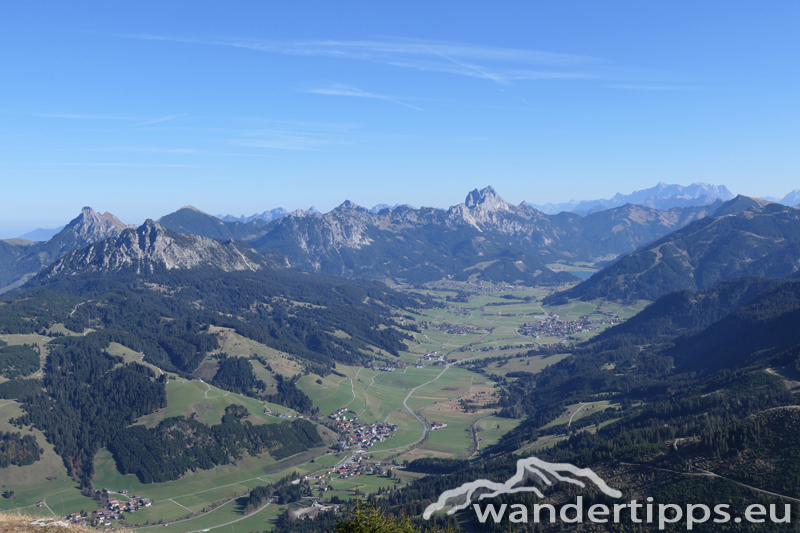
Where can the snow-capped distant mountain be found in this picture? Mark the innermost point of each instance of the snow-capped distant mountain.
(380, 207)
(793, 198)
(662, 196)
(268, 216)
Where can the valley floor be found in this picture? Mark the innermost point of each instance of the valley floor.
(435, 400)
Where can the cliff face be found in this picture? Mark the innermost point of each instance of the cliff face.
(20, 262)
(152, 245)
(353, 241)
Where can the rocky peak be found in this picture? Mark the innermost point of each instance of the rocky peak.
(486, 199)
(193, 208)
(150, 246)
(90, 221)
(87, 228)
(349, 208)
(347, 204)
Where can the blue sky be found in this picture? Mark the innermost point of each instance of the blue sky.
(140, 108)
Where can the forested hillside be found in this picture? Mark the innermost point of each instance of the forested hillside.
(426, 244)
(86, 401)
(177, 444)
(745, 238)
(723, 410)
(166, 314)
(88, 398)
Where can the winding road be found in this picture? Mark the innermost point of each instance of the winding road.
(415, 415)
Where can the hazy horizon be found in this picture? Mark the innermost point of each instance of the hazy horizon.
(138, 110)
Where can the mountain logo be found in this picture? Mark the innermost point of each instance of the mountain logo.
(529, 470)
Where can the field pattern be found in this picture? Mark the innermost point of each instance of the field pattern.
(440, 408)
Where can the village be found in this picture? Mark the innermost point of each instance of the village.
(553, 326)
(113, 509)
(468, 286)
(461, 329)
(460, 311)
(360, 435)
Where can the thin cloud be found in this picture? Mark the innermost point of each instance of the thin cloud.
(145, 149)
(83, 117)
(282, 141)
(143, 121)
(647, 87)
(498, 64)
(157, 120)
(115, 165)
(337, 89)
(243, 155)
(293, 135)
(383, 49)
(482, 72)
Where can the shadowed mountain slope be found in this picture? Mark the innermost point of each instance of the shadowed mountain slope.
(18, 262)
(745, 237)
(417, 245)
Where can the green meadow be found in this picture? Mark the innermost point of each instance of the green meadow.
(208, 404)
(491, 429)
(432, 392)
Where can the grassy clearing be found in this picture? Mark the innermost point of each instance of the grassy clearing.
(627, 310)
(160, 511)
(61, 495)
(453, 383)
(367, 483)
(49, 466)
(576, 411)
(35, 339)
(199, 482)
(595, 407)
(572, 310)
(203, 482)
(260, 521)
(198, 490)
(131, 356)
(534, 365)
(334, 391)
(208, 403)
(237, 346)
(453, 439)
(548, 441)
(490, 430)
(31, 338)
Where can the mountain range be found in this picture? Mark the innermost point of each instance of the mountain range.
(793, 198)
(745, 237)
(20, 260)
(676, 402)
(483, 238)
(150, 247)
(661, 196)
(267, 216)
